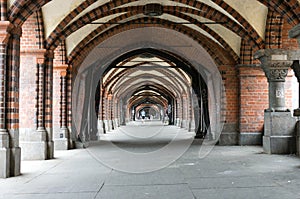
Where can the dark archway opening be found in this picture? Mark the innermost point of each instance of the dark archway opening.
(198, 87)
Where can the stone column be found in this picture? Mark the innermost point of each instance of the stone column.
(61, 137)
(184, 111)
(105, 114)
(109, 105)
(279, 125)
(192, 106)
(100, 126)
(49, 102)
(69, 108)
(13, 86)
(4, 137)
(41, 134)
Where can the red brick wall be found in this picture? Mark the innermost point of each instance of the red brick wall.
(56, 98)
(253, 99)
(29, 41)
(230, 81)
(27, 92)
(254, 88)
(287, 43)
(30, 34)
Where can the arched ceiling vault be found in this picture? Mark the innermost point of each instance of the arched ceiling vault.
(216, 24)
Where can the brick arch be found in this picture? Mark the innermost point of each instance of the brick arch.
(176, 11)
(104, 8)
(91, 16)
(40, 28)
(209, 31)
(200, 5)
(162, 80)
(157, 86)
(274, 27)
(143, 106)
(33, 32)
(223, 18)
(128, 71)
(154, 99)
(177, 83)
(289, 9)
(216, 51)
(22, 9)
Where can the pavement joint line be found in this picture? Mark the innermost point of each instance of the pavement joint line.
(102, 185)
(59, 192)
(145, 185)
(99, 190)
(215, 177)
(54, 166)
(238, 187)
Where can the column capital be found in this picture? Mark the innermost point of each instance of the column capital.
(275, 63)
(63, 69)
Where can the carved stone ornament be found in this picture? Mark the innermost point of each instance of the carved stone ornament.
(277, 71)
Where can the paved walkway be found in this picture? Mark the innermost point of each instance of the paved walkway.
(118, 167)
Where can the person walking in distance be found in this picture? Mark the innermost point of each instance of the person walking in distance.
(143, 114)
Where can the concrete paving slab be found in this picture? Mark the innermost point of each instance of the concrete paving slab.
(49, 196)
(164, 176)
(226, 172)
(178, 191)
(245, 193)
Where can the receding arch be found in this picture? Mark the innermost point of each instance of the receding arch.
(101, 58)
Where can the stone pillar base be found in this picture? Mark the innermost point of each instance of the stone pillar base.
(50, 143)
(34, 145)
(61, 144)
(4, 162)
(192, 126)
(279, 137)
(61, 140)
(34, 150)
(100, 128)
(279, 144)
(15, 161)
(183, 124)
(106, 127)
(110, 125)
(115, 124)
(50, 150)
(178, 122)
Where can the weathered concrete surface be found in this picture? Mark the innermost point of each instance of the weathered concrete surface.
(226, 172)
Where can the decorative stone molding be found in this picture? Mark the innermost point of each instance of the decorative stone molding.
(275, 63)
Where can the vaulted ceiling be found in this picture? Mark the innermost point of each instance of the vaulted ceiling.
(215, 24)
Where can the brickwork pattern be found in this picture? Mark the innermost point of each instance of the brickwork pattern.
(274, 30)
(13, 80)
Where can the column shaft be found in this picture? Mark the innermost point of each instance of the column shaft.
(5, 158)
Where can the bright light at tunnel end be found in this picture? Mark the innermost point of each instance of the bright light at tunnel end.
(119, 159)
